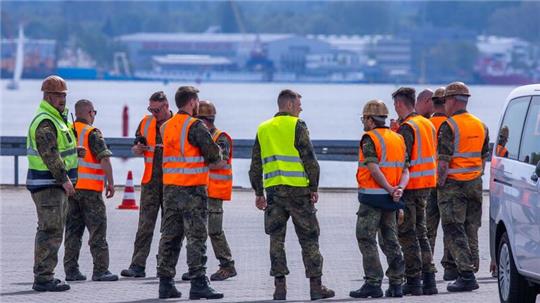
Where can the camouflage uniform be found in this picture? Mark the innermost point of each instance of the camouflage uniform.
(413, 231)
(460, 205)
(185, 213)
(370, 221)
(50, 205)
(215, 216)
(87, 209)
(288, 201)
(151, 202)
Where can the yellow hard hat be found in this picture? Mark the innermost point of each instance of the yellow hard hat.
(457, 88)
(206, 109)
(375, 108)
(54, 84)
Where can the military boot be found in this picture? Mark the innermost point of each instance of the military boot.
(223, 273)
(367, 290)
(450, 274)
(200, 288)
(318, 291)
(280, 293)
(133, 271)
(53, 285)
(185, 276)
(465, 282)
(167, 289)
(429, 285)
(105, 276)
(413, 287)
(75, 275)
(394, 291)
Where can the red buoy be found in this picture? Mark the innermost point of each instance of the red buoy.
(125, 121)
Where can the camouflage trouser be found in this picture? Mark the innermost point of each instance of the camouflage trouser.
(51, 209)
(216, 233)
(86, 209)
(305, 222)
(185, 213)
(412, 236)
(370, 221)
(460, 204)
(151, 202)
(433, 217)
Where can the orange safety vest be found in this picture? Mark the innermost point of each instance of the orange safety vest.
(183, 163)
(469, 136)
(221, 180)
(91, 175)
(148, 125)
(437, 121)
(390, 148)
(423, 169)
(501, 151)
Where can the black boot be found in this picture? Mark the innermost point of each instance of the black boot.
(280, 291)
(167, 289)
(75, 275)
(133, 271)
(465, 282)
(105, 276)
(413, 287)
(450, 274)
(367, 290)
(53, 285)
(429, 286)
(394, 290)
(185, 276)
(200, 288)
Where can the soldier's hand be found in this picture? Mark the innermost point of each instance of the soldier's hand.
(138, 149)
(81, 151)
(314, 197)
(109, 191)
(68, 187)
(260, 202)
(397, 194)
(401, 217)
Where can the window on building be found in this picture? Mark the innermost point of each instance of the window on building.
(530, 144)
(509, 135)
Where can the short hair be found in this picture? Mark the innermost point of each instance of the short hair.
(425, 94)
(81, 106)
(158, 96)
(184, 94)
(407, 94)
(287, 95)
(437, 101)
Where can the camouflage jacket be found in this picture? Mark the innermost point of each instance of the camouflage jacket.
(311, 166)
(223, 143)
(47, 147)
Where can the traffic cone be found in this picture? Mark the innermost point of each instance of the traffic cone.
(128, 201)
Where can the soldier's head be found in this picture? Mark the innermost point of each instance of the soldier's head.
(456, 96)
(84, 110)
(503, 135)
(187, 99)
(404, 99)
(289, 102)
(207, 113)
(424, 105)
(54, 90)
(374, 114)
(438, 100)
(158, 106)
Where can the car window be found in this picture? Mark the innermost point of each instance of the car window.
(530, 144)
(509, 136)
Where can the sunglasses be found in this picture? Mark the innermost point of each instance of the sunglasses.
(94, 112)
(155, 110)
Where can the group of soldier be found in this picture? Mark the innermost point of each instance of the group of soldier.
(424, 169)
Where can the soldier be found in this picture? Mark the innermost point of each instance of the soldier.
(86, 208)
(52, 171)
(148, 143)
(501, 150)
(188, 153)
(419, 135)
(463, 147)
(284, 164)
(424, 103)
(382, 174)
(219, 190)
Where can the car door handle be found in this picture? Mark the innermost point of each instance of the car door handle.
(502, 182)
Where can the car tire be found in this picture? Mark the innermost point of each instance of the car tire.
(513, 287)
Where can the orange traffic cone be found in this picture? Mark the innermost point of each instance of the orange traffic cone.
(128, 202)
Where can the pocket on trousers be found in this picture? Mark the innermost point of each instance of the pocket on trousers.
(270, 224)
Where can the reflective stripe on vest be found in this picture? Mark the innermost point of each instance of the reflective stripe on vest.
(91, 174)
(390, 149)
(423, 163)
(281, 161)
(221, 180)
(147, 129)
(38, 175)
(469, 136)
(183, 163)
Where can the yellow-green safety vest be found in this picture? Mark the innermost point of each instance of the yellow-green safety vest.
(281, 161)
(39, 176)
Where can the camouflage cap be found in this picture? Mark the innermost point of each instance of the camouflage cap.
(439, 93)
(408, 92)
(457, 88)
(375, 108)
